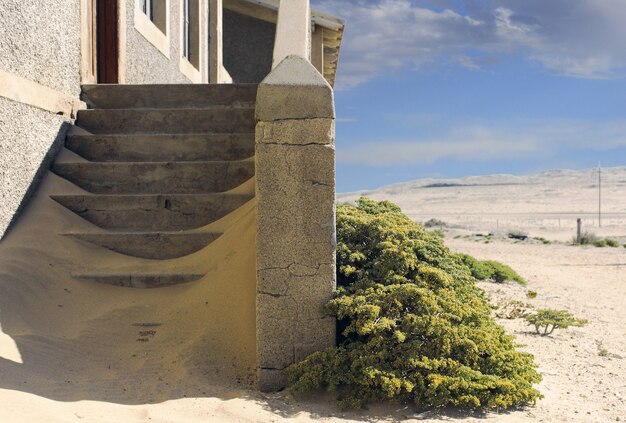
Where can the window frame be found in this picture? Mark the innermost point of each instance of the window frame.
(189, 66)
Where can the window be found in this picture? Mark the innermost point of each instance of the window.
(152, 21)
(156, 11)
(190, 40)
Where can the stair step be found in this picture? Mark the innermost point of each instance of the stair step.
(156, 177)
(151, 245)
(152, 212)
(142, 280)
(115, 96)
(154, 148)
(172, 121)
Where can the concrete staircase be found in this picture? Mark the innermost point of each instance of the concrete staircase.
(158, 163)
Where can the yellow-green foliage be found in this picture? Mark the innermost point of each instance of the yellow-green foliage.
(491, 269)
(413, 325)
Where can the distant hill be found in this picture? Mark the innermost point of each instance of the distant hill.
(555, 198)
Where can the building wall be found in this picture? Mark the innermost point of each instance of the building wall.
(39, 41)
(248, 47)
(145, 64)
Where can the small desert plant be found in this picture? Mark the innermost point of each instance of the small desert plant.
(602, 352)
(435, 223)
(531, 294)
(546, 321)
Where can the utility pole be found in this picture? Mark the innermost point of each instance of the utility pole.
(599, 195)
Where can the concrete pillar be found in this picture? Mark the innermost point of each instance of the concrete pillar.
(295, 191)
(293, 30)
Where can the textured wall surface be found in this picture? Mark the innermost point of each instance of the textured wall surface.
(295, 191)
(248, 46)
(27, 136)
(145, 64)
(40, 41)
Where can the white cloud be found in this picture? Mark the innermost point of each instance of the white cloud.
(478, 143)
(581, 38)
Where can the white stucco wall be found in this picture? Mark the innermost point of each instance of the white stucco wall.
(39, 41)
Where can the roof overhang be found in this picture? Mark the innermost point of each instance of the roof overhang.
(267, 10)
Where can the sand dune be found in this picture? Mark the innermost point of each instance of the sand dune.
(67, 340)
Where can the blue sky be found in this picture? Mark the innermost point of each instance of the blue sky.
(450, 88)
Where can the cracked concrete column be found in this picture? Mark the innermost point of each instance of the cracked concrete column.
(295, 191)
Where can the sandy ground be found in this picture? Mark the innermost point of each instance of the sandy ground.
(73, 356)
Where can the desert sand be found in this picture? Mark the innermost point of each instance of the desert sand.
(69, 349)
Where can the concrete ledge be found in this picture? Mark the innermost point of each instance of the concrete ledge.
(33, 94)
(294, 90)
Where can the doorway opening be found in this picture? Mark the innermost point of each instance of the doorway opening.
(107, 41)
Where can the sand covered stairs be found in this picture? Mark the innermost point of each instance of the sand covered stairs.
(158, 164)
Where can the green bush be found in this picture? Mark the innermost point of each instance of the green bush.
(606, 242)
(600, 243)
(531, 294)
(546, 321)
(491, 269)
(413, 327)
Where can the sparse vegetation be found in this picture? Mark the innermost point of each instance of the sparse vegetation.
(543, 240)
(438, 233)
(606, 242)
(435, 223)
(601, 243)
(492, 270)
(413, 325)
(546, 321)
(531, 294)
(602, 352)
(514, 310)
(586, 238)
